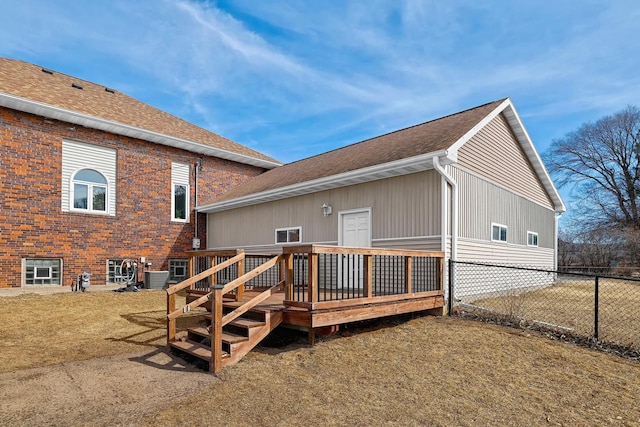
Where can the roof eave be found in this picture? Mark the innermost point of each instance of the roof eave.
(69, 116)
(386, 170)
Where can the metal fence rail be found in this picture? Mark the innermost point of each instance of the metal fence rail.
(603, 308)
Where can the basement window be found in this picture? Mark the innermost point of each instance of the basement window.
(532, 239)
(498, 233)
(289, 235)
(42, 271)
(178, 270)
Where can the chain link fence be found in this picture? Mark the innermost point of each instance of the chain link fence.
(604, 310)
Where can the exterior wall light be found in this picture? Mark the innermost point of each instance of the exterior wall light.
(326, 209)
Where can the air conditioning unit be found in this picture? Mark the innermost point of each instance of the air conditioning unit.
(156, 279)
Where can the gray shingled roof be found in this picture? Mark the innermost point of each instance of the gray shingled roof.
(429, 137)
(30, 82)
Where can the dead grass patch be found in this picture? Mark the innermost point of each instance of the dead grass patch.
(570, 304)
(41, 330)
(425, 371)
(428, 371)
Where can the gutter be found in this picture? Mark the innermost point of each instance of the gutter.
(454, 210)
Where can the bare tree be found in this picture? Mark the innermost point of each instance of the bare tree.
(601, 160)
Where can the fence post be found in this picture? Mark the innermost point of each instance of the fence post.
(450, 300)
(596, 309)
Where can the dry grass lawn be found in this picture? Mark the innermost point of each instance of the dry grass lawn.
(40, 330)
(424, 371)
(570, 304)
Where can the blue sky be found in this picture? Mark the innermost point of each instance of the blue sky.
(296, 78)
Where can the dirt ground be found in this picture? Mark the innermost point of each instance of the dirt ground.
(421, 371)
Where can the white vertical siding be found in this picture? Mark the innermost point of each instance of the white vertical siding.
(78, 155)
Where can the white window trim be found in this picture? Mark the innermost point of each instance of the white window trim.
(494, 224)
(287, 229)
(90, 185)
(173, 202)
(532, 233)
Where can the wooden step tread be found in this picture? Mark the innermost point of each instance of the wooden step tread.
(246, 323)
(227, 337)
(230, 338)
(242, 322)
(196, 349)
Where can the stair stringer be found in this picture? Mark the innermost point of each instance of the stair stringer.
(238, 351)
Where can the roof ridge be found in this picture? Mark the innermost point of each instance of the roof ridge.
(397, 130)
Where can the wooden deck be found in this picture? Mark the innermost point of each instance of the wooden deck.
(307, 287)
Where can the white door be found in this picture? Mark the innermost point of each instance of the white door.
(355, 230)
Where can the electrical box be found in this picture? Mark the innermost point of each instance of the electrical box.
(196, 243)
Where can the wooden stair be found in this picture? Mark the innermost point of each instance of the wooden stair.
(239, 336)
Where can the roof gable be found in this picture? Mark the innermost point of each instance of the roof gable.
(33, 89)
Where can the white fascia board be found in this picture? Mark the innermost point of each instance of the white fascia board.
(385, 170)
(525, 141)
(69, 116)
(521, 133)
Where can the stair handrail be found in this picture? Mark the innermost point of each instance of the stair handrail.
(217, 318)
(209, 272)
(239, 311)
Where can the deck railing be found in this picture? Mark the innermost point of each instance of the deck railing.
(319, 274)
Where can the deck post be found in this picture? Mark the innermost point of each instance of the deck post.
(408, 267)
(214, 280)
(216, 330)
(288, 270)
(313, 277)
(241, 271)
(368, 276)
(191, 269)
(171, 323)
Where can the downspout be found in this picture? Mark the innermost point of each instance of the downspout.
(198, 169)
(454, 208)
(558, 215)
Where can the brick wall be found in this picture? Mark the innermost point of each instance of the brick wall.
(32, 224)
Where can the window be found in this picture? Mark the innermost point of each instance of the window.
(43, 271)
(179, 203)
(498, 233)
(88, 178)
(178, 270)
(289, 235)
(114, 275)
(89, 191)
(179, 192)
(532, 238)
